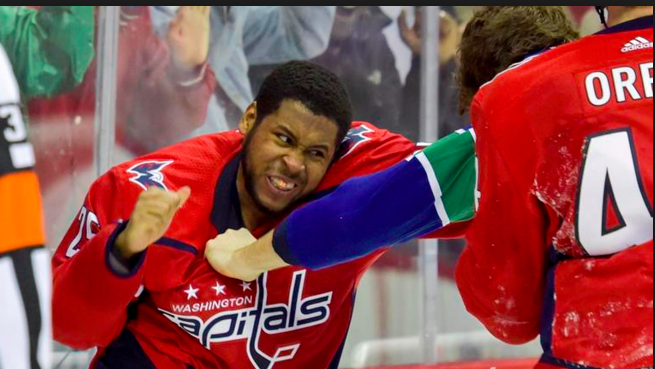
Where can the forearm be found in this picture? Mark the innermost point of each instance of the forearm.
(414, 198)
(409, 200)
(363, 215)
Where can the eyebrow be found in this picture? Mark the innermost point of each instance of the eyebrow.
(287, 131)
(324, 147)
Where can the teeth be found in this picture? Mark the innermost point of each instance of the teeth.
(282, 185)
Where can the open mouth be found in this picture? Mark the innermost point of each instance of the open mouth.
(281, 184)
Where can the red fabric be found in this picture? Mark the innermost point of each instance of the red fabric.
(533, 123)
(90, 300)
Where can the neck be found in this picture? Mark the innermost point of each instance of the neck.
(627, 14)
(253, 218)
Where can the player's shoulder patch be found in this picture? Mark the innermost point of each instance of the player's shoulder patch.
(355, 138)
(149, 173)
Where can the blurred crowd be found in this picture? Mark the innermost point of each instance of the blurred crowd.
(183, 71)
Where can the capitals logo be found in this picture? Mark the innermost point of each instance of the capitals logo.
(354, 138)
(249, 324)
(149, 174)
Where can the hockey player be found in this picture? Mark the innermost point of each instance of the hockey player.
(131, 278)
(562, 246)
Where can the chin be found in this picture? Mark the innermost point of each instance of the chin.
(277, 209)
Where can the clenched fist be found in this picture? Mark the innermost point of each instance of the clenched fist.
(151, 218)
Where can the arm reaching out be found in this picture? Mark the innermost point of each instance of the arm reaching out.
(433, 191)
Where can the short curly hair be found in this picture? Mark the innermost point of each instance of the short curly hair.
(499, 36)
(317, 88)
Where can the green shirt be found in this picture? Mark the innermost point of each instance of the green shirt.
(50, 49)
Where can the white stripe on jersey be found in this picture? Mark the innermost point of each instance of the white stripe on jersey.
(436, 188)
(14, 332)
(41, 263)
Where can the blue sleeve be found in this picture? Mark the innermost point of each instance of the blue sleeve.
(412, 199)
(359, 217)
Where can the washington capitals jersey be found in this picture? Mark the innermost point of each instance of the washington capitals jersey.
(173, 310)
(562, 245)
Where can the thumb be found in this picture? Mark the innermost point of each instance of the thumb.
(183, 193)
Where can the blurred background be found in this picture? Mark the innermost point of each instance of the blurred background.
(105, 84)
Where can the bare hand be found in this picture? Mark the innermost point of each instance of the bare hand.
(238, 255)
(411, 35)
(449, 35)
(223, 254)
(188, 36)
(151, 218)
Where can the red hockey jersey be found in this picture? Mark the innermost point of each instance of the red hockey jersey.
(563, 241)
(182, 314)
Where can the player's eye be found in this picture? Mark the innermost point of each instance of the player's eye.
(317, 154)
(285, 139)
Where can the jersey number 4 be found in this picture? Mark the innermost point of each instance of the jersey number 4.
(613, 211)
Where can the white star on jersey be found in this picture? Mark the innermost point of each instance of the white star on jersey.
(246, 286)
(192, 293)
(220, 289)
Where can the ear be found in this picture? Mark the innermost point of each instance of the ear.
(248, 119)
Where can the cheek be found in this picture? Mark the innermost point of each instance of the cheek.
(268, 151)
(261, 155)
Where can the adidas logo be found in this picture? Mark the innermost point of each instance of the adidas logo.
(638, 43)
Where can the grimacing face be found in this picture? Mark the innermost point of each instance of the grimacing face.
(286, 156)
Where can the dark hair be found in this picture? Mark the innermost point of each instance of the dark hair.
(499, 36)
(317, 88)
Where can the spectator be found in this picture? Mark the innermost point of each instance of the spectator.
(242, 36)
(359, 54)
(50, 49)
(449, 118)
(164, 88)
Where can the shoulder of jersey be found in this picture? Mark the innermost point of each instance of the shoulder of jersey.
(364, 135)
(542, 66)
(572, 56)
(373, 132)
(194, 159)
